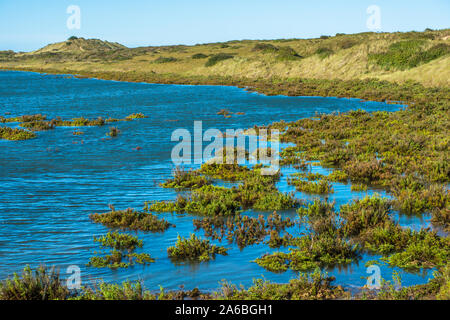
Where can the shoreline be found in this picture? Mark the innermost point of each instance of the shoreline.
(295, 86)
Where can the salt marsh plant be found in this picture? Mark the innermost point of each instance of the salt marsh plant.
(317, 187)
(242, 230)
(113, 132)
(14, 134)
(311, 252)
(194, 249)
(185, 179)
(305, 287)
(40, 284)
(122, 247)
(133, 116)
(130, 219)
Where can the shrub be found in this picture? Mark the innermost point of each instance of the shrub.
(287, 54)
(311, 252)
(8, 133)
(130, 219)
(408, 54)
(324, 52)
(42, 284)
(315, 286)
(319, 187)
(265, 47)
(122, 246)
(113, 132)
(364, 214)
(185, 180)
(133, 116)
(213, 60)
(199, 56)
(194, 249)
(165, 60)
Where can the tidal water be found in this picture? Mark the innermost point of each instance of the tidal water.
(49, 185)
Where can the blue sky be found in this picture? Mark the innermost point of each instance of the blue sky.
(27, 25)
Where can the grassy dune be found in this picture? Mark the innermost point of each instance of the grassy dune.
(420, 56)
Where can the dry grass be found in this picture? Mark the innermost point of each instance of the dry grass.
(349, 59)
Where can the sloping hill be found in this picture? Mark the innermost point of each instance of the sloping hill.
(80, 45)
(420, 56)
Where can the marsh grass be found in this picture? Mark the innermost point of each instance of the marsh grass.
(243, 230)
(185, 179)
(14, 134)
(130, 219)
(215, 59)
(40, 284)
(321, 186)
(113, 132)
(408, 54)
(194, 249)
(122, 246)
(313, 286)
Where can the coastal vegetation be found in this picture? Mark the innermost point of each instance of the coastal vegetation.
(130, 219)
(122, 247)
(194, 249)
(38, 122)
(45, 284)
(8, 133)
(404, 153)
(242, 230)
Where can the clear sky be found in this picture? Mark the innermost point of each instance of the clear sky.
(27, 25)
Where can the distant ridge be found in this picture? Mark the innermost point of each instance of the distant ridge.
(422, 57)
(80, 45)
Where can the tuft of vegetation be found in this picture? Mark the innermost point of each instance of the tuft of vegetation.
(243, 230)
(287, 54)
(316, 286)
(265, 48)
(199, 56)
(113, 132)
(215, 59)
(311, 252)
(14, 134)
(41, 284)
(122, 246)
(134, 116)
(130, 219)
(184, 179)
(408, 54)
(316, 187)
(165, 60)
(324, 52)
(194, 249)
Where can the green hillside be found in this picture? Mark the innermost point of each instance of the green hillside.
(419, 56)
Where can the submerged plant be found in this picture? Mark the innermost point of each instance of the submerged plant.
(122, 247)
(113, 132)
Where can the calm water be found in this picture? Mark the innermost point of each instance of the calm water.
(50, 185)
